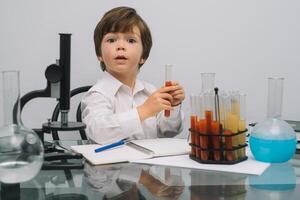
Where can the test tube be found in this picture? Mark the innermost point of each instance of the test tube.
(234, 117)
(215, 128)
(168, 82)
(193, 122)
(229, 154)
(199, 112)
(242, 122)
(204, 125)
(208, 82)
(222, 99)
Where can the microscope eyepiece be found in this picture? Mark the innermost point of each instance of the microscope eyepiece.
(53, 73)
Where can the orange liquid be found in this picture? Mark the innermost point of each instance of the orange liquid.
(203, 140)
(208, 116)
(168, 112)
(215, 130)
(193, 134)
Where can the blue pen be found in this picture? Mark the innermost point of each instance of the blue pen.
(119, 143)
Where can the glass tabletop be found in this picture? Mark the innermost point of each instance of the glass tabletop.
(136, 181)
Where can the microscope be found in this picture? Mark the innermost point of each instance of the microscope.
(58, 86)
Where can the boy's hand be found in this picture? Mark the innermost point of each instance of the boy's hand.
(158, 101)
(177, 93)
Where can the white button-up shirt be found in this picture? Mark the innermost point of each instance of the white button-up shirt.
(109, 109)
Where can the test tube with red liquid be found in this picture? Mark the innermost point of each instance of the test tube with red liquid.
(204, 125)
(199, 115)
(193, 122)
(168, 82)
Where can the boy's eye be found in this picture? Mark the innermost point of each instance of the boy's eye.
(111, 40)
(131, 40)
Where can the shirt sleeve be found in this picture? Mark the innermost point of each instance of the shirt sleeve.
(172, 125)
(105, 126)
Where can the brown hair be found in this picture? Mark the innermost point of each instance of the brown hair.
(122, 19)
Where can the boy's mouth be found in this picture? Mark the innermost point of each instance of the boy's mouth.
(121, 57)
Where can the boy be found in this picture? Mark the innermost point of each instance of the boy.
(119, 105)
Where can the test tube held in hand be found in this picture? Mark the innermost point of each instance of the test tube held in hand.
(168, 82)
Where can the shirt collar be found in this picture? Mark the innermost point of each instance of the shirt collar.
(109, 85)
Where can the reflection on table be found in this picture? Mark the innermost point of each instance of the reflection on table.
(135, 181)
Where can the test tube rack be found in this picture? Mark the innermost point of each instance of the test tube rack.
(228, 151)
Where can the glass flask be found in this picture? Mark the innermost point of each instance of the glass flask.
(273, 140)
(21, 149)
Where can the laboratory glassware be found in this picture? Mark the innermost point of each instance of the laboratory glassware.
(21, 149)
(273, 140)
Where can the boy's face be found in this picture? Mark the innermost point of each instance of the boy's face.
(122, 52)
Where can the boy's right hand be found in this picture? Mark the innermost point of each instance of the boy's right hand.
(158, 101)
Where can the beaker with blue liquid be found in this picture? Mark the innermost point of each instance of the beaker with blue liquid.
(273, 140)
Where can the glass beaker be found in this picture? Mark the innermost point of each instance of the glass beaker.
(20, 148)
(273, 140)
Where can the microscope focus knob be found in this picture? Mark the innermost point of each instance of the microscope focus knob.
(53, 73)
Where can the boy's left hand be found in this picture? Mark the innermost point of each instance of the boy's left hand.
(178, 94)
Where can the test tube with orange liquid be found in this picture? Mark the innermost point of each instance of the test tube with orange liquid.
(204, 126)
(216, 129)
(199, 115)
(168, 82)
(193, 121)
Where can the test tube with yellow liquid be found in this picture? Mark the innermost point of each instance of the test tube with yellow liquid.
(234, 118)
(242, 123)
(229, 129)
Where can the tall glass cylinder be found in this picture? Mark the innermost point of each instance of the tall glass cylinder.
(10, 96)
(275, 95)
(20, 148)
(208, 81)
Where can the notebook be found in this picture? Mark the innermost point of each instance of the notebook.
(134, 150)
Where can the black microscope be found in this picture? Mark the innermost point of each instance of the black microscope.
(58, 86)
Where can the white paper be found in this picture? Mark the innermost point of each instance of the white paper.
(119, 154)
(165, 146)
(124, 153)
(250, 166)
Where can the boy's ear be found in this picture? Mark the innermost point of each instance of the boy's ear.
(142, 61)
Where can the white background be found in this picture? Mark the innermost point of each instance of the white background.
(243, 41)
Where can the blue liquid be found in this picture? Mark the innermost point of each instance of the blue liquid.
(273, 151)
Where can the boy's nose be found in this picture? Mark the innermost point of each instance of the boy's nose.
(120, 46)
